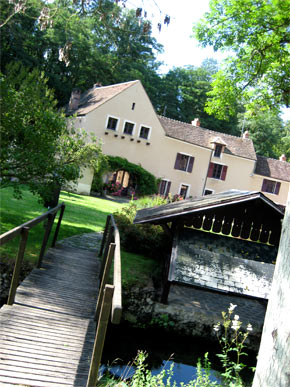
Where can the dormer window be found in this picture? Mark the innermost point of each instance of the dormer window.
(218, 150)
(218, 146)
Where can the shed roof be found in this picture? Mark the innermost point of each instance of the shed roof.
(272, 168)
(171, 211)
(238, 146)
(96, 96)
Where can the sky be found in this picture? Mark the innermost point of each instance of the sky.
(180, 49)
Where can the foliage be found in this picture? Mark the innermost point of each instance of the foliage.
(232, 344)
(257, 32)
(184, 95)
(77, 47)
(39, 149)
(143, 181)
(142, 377)
(268, 132)
(146, 239)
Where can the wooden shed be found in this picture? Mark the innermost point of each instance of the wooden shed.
(225, 242)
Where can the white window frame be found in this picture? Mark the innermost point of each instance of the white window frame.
(107, 122)
(134, 127)
(188, 189)
(149, 134)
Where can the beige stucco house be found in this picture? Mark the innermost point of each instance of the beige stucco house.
(189, 160)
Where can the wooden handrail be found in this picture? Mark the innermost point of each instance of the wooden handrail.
(23, 230)
(7, 236)
(107, 305)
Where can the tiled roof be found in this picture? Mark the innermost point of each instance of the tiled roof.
(96, 96)
(275, 169)
(238, 146)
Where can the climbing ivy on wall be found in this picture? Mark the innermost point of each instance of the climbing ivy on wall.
(145, 183)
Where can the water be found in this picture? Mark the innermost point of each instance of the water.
(164, 349)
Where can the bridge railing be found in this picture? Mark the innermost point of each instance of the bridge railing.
(23, 231)
(110, 295)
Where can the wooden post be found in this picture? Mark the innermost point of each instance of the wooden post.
(58, 225)
(17, 267)
(100, 336)
(50, 218)
(104, 235)
(105, 278)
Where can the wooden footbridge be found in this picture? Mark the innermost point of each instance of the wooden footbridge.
(54, 325)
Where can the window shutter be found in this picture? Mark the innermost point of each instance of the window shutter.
(224, 172)
(190, 164)
(264, 185)
(177, 161)
(168, 188)
(277, 188)
(210, 170)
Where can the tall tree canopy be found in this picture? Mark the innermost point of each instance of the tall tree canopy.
(184, 95)
(257, 33)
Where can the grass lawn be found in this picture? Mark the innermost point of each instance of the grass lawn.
(83, 214)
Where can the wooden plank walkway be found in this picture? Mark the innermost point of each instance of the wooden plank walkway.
(47, 336)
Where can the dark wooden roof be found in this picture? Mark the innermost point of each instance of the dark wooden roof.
(238, 146)
(168, 212)
(272, 168)
(239, 214)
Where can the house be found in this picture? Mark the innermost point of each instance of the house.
(237, 256)
(189, 160)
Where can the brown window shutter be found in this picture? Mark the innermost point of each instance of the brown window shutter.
(190, 164)
(224, 172)
(210, 170)
(277, 188)
(177, 161)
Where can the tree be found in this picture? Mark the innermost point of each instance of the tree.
(38, 148)
(184, 95)
(268, 132)
(257, 33)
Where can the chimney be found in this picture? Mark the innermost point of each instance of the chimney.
(246, 134)
(195, 122)
(74, 99)
(283, 158)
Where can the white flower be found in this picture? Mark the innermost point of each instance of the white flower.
(236, 317)
(235, 325)
(216, 327)
(249, 327)
(232, 307)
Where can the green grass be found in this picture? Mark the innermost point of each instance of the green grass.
(83, 214)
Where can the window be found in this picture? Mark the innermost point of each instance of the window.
(164, 187)
(133, 105)
(128, 128)
(112, 123)
(217, 171)
(184, 162)
(218, 150)
(144, 132)
(183, 191)
(208, 192)
(271, 186)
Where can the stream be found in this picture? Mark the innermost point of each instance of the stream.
(163, 348)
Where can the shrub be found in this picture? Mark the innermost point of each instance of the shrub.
(146, 239)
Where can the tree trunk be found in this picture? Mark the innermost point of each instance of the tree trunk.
(273, 367)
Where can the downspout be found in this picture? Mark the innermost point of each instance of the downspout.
(203, 190)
